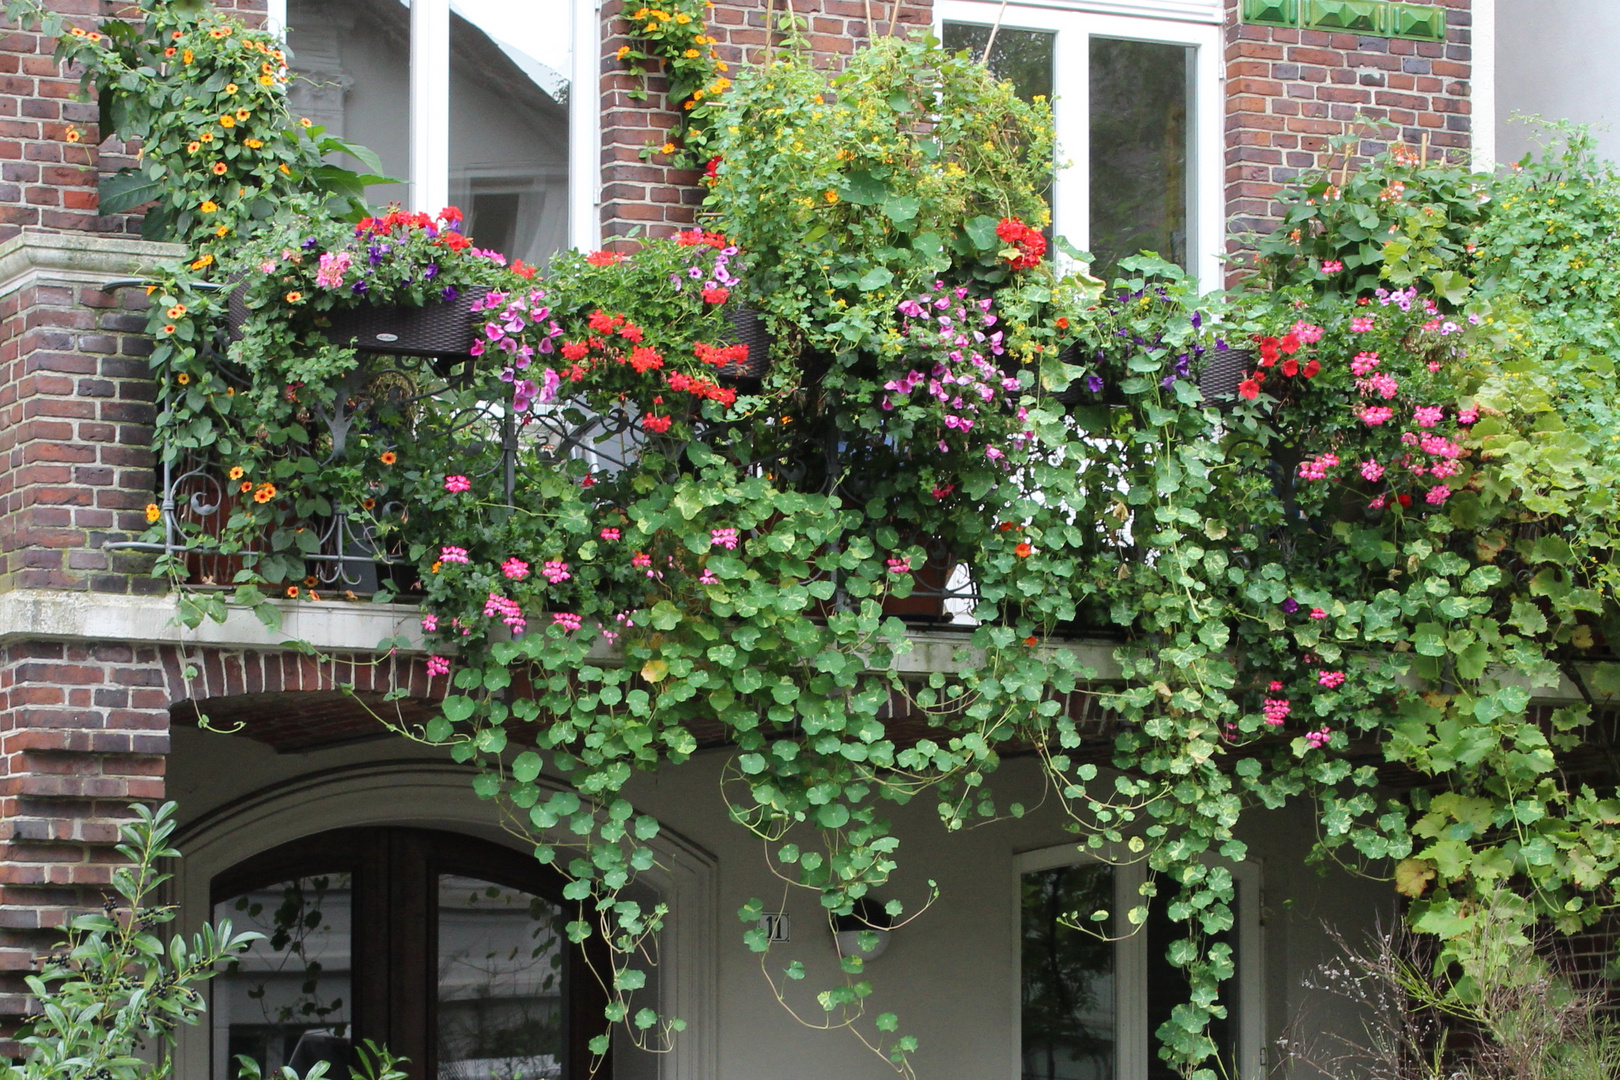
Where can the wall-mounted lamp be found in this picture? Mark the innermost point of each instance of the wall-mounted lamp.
(868, 917)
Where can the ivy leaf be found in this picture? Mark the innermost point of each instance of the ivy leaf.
(1412, 876)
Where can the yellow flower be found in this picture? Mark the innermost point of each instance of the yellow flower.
(230, 88)
(152, 512)
(222, 230)
(697, 95)
(830, 195)
(721, 65)
(252, 144)
(186, 56)
(73, 134)
(819, 100)
(667, 148)
(183, 379)
(237, 472)
(208, 206)
(265, 493)
(305, 121)
(388, 457)
(266, 80)
(207, 137)
(243, 114)
(284, 169)
(202, 261)
(624, 50)
(650, 28)
(294, 297)
(176, 311)
(193, 146)
(690, 54)
(681, 18)
(227, 121)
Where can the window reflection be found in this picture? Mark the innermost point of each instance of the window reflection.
(352, 62)
(1141, 93)
(286, 1000)
(500, 983)
(1068, 1022)
(509, 124)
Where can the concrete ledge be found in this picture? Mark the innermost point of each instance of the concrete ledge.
(35, 257)
(44, 614)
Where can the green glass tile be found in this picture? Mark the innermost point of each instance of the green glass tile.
(1422, 21)
(1362, 16)
(1271, 12)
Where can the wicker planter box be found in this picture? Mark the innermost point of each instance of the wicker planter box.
(748, 328)
(445, 329)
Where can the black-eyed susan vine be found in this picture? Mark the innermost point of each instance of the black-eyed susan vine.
(675, 37)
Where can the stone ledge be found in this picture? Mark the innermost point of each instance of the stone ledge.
(76, 258)
(58, 615)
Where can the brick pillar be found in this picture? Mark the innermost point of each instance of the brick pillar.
(83, 732)
(1289, 91)
(76, 465)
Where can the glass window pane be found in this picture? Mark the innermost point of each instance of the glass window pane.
(510, 68)
(286, 1001)
(500, 983)
(1023, 57)
(1140, 123)
(352, 59)
(1068, 1019)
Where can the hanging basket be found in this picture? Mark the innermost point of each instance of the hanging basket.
(1218, 379)
(748, 328)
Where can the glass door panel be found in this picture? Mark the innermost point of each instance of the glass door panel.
(1069, 1012)
(287, 1000)
(501, 969)
(1141, 187)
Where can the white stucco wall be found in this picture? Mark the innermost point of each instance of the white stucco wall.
(951, 975)
(1555, 58)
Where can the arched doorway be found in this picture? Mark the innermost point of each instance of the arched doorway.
(449, 949)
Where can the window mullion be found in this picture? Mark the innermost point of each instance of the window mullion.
(430, 104)
(1071, 84)
(1134, 1041)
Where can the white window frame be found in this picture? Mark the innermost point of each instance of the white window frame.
(1071, 88)
(429, 181)
(1133, 1042)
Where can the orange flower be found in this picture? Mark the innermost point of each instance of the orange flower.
(305, 121)
(243, 114)
(247, 486)
(266, 80)
(309, 580)
(208, 206)
(236, 472)
(389, 457)
(624, 50)
(252, 144)
(76, 32)
(313, 595)
(186, 56)
(219, 168)
(176, 311)
(73, 134)
(1030, 641)
(292, 592)
(153, 512)
(207, 136)
(230, 88)
(284, 170)
(1023, 550)
(183, 379)
(294, 297)
(170, 51)
(226, 120)
(193, 146)
(368, 504)
(1063, 322)
(168, 328)
(222, 230)
(436, 565)
(265, 493)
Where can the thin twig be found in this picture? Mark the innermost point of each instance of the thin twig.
(990, 43)
(770, 32)
(871, 31)
(894, 18)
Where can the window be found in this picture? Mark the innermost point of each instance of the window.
(449, 950)
(1088, 1006)
(1137, 109)
(470, 102)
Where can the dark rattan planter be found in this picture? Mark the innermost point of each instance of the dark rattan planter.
(748, 328)
(1218, 380)
(444, 329)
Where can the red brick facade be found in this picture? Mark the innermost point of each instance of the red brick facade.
(1289, 92)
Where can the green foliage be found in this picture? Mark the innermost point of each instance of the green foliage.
(112, 994)
(1376, 553)
(673, 36)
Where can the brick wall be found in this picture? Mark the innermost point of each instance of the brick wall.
(651, 195)
(76, 464)
(1290, 91)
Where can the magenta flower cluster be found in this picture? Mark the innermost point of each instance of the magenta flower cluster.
(959, 336)
(515, 319)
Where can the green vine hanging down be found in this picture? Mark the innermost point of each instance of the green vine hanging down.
(1374, 549)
